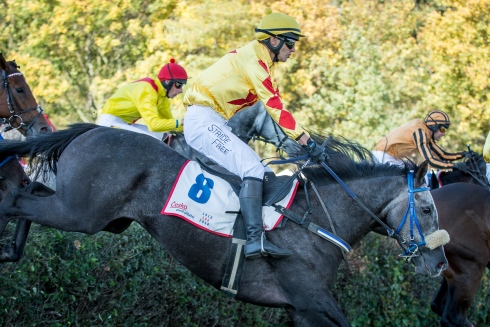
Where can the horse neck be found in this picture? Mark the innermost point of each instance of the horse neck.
(355, 223)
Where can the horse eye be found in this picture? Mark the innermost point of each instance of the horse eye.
(426, 210)
(20, 90)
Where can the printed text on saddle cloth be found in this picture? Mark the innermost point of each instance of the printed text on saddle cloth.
(203, 199)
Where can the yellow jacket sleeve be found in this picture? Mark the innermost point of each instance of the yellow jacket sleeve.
(260, 78)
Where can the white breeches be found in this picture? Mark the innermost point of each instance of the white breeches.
(116, 122)
(207, 132)
(383, 157)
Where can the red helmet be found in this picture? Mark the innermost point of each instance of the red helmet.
(173, 72)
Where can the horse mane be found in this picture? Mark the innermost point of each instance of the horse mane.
(350, 161)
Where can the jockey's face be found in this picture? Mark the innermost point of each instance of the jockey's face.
(285, 52)
(438, 135)
(176, 89)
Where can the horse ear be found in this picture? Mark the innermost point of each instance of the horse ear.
(420, 172)
(3, 62)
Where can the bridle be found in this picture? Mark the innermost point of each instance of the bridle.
(14, 117)
(475, 172)
(410, 250)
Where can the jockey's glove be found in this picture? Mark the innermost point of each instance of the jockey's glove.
(461, 166)
(314, 151)
(466, 154)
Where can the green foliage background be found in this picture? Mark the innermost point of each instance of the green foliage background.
(364, 68)
(72, 279)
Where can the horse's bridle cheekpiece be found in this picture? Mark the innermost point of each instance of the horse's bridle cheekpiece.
(431, 241)
(13, 115)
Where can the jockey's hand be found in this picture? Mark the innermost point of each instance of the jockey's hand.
(461, 166)
(466, 154)
(314, 151)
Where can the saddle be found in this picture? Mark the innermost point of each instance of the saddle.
(272, 183)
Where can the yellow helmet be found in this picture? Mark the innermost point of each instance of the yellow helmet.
(277, 24)
(437, 117)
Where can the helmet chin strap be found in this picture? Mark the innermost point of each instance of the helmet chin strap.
(275, 49)
(167, 87)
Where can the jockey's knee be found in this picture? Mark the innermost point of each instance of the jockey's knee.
(256, 171)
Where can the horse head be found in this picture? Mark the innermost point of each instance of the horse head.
(418, 232)
(411, 218)
(18, 106)
(472, 169)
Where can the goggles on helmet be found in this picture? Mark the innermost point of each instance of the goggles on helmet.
(443, 128)
(288, 42)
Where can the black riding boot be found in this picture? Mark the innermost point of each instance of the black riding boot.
(251, 207)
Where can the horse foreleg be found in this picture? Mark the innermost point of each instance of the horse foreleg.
(64, 211)
(439, 302)
(12, 252)
(318, 312)
(461, 293)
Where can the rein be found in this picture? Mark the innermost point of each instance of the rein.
(476, 173)
(409, 252)
(16, 116)
(412, 250)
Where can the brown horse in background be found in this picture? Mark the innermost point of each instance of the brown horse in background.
(19, 111)
(464, 211)
(18, 107)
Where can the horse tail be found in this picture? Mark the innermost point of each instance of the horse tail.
(46, 149)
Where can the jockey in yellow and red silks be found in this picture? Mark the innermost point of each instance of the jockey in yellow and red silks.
(147, 100)
(238, 80)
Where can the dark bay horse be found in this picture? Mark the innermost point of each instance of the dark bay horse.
(107, 178)
(463, 203)
(474, 172)
(19, 109)
(464, 211)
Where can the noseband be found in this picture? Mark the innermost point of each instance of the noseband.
(16, 116)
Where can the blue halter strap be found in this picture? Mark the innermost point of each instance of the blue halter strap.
(412, 250)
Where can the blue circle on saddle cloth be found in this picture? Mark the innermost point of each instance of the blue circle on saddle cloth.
(209, 202)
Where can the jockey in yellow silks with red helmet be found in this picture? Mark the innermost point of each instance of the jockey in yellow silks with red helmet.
(147, 99)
